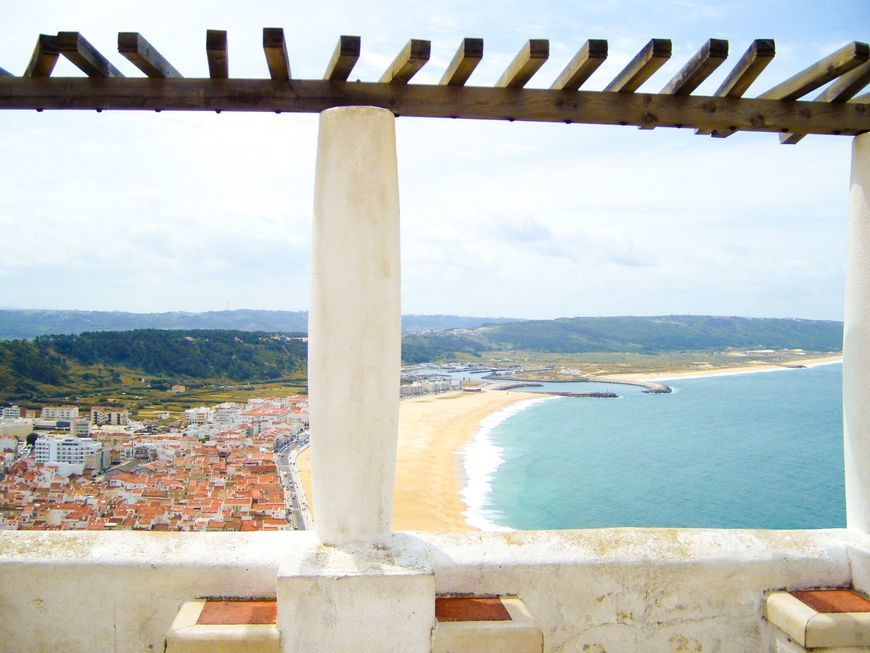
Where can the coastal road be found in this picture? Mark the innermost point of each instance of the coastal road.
(300, 518)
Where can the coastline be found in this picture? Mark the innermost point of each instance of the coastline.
(445, 460)
(430, 463)
(750, 368)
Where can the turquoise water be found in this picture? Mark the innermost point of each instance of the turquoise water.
(745, 451)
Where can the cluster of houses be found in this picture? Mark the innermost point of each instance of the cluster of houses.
(225, 481)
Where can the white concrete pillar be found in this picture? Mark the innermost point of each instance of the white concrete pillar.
(354, 326)
(856, 343)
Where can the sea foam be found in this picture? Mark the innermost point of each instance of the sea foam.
(481, 458)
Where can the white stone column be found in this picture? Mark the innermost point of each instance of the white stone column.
(354, 326)
(856, 343)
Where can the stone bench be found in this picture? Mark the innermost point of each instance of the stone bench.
(833, 620)
(217, 626)
(484, 625)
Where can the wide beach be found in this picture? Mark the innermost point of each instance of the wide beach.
(429, 474)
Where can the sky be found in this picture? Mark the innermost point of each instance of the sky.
(151, 212)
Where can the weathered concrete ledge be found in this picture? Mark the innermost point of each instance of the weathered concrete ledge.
(619, 589)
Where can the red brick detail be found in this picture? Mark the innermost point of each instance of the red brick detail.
(833, 600)
(234, 613)
(470, 609)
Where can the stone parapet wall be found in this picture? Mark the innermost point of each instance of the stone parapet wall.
(605, 590)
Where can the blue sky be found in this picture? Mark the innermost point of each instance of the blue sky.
(170, 211)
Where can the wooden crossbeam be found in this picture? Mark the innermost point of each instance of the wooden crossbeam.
(275, 49)
(412, 58)
(85, 56)
(820, 73)
(842, 89)
(464, 62)
(216, 51)
(652, 57)
(698, 68)
(528, 61)
(587, 60)
(343, 59)
(422, 100)
(145, 56)
(44, 57)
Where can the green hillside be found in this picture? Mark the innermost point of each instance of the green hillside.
(646, 335)
(100, 359)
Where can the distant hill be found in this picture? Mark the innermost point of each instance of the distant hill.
(67, 364)
(31, 323)
(30, 367)
(628, 334)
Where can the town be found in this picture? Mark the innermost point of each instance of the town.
(230, 469)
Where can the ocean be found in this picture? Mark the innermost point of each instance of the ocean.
(756, 450)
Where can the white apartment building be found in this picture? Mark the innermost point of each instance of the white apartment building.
(199, 415)
(81, 427)
(67, 413)
(227, 415)
(75, 451)
(103, 415)
(45, 449)
(10, 412)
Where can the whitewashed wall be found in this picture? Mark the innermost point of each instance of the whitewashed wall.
(596, 590)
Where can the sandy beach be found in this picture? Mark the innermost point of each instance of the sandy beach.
(746, 368)
(429, 476)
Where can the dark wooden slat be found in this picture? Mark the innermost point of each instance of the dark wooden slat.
(820, 73)
(5, 73)
(85, 56)
(748, 68)
(652, 57)
(276, 53)
(842, 89)
(528, 61)
(412, 58)
(591, 55)
(145, 56)
(537, 105)
(216, 51)
(44, 57)
(698, 68)
(343, 59)
(464, 62)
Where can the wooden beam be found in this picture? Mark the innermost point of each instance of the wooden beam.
(145, 56)
(216, 51)
(44, 57)
(760, 53)
(464, 62)
(534, 105)
(842, 89)
(5, 73)
(652, 57)
(412, 58)
(698, 68)
(587, 60)
(85, 56)
(748, 68)
(276, 53)
(820, 73)
(343, 59)
(528, 61)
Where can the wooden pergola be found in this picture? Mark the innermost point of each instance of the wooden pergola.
(780, 109)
